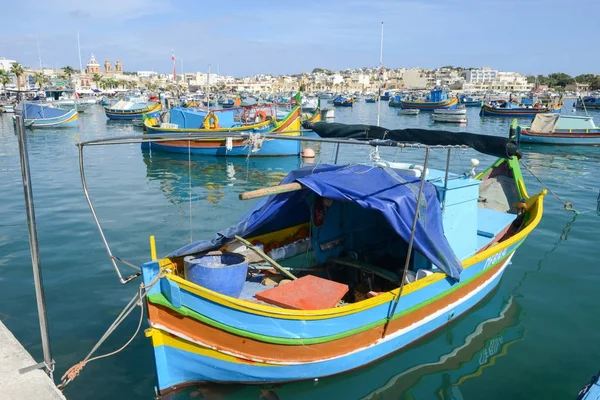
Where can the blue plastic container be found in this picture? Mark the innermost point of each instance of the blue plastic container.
(223, 273)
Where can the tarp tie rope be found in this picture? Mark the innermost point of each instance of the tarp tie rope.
(74, 371)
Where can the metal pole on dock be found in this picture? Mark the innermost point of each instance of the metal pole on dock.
(48, 363)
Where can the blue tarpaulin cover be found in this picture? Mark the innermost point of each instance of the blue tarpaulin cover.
(394, 195)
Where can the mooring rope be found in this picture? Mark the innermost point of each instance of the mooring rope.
(566, 204)
(74, 371)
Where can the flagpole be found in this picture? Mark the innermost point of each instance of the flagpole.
(380, 76)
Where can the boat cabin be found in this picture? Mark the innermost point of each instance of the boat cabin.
(346, 230)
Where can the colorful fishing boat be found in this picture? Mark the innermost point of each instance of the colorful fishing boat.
(341, 101)
(588, 102)
(314, 117)
(371, 99)
(469, 101)
(557, 129)
(226, 125)
(438, 98)
(43, 116)
(127, 110)
(372, 286)
(504, 108)
(386, 96)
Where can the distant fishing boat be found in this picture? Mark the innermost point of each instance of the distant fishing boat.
(589, 102)
(437, 98)
(371, 99)
(556, 129)
(128, 110)
(339, 312)
(314, 117)
(42, 116)
(341, 101)
(408, 111)
(226, 125)
(504, 108)
(450, 118)
(386, 96)
(469, 101)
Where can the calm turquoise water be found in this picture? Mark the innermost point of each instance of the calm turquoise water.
(535, 337)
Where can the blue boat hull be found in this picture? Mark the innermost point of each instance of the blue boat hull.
(559, 139)
(68, 120)
(175, 365)
(269, 148)
(471, 103)
(130, 117)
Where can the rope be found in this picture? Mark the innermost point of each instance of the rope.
(567, 205)
(74, 371)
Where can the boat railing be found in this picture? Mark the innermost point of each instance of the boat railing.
(191, 137)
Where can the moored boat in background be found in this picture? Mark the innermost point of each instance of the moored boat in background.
(341, 101)
(408, 111)
(556, 129)
(438, 98)
(128, 110)
(42, 116)
(504, 108)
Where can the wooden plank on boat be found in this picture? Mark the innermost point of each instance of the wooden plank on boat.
(306, 293)
(288, 187)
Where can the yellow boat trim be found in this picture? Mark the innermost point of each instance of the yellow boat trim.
(536, 210)
(160, 338)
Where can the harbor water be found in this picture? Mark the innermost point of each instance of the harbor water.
(535, 337)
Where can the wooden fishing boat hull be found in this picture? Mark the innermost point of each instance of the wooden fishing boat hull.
(370, 100)
(217, 146)
(150, 111)
(472, 103)
(450, 118)
(487, 110)
(572, 138)
(426, 106)
(343, 104)
(68, 120)
(408, 111)
(202, 336)
(188, 350)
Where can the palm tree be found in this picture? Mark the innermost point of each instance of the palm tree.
(96, 79)
(69, 72)
(4, 79)
(40, 79)
(131, 85)
(17, 69)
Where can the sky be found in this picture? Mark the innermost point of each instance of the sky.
(248, 37)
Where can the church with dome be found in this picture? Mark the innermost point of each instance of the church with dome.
(93, 67)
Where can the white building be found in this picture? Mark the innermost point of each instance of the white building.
(415, 78)
(146, 74)
(6, 64)
(335, 79)
(484, 75)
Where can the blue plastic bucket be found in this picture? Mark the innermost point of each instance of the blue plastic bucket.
(223, 273)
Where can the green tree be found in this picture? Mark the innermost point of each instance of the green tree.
(97, 79)
(4, 79)
(585, 78)
(595, 84)
(69, 72)
(40, 79)
(531, 79)
(17, 69)
(560, 79)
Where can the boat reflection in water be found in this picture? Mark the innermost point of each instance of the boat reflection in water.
(434, 368)
(210, 176)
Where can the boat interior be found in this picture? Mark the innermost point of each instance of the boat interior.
(352, 244)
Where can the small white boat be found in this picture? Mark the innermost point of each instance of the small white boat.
(408, 111)
(450, 118)
(455, 111)
(7, 108)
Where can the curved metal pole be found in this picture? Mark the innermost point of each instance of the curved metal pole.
(89, 200)
(410, 242)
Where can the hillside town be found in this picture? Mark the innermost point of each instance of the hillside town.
(112, 78)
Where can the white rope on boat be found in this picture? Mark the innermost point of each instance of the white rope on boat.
(254, 142)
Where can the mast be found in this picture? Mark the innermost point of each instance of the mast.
(39, 54)
(79, 50)
(380, 77)
(208, 89)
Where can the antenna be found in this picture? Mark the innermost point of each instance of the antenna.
(380, 77)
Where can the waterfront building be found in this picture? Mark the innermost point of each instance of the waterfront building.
(483, 75)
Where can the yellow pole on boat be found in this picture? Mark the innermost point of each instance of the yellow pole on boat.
(153, 248)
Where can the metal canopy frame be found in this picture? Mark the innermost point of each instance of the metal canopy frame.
(192, 137)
